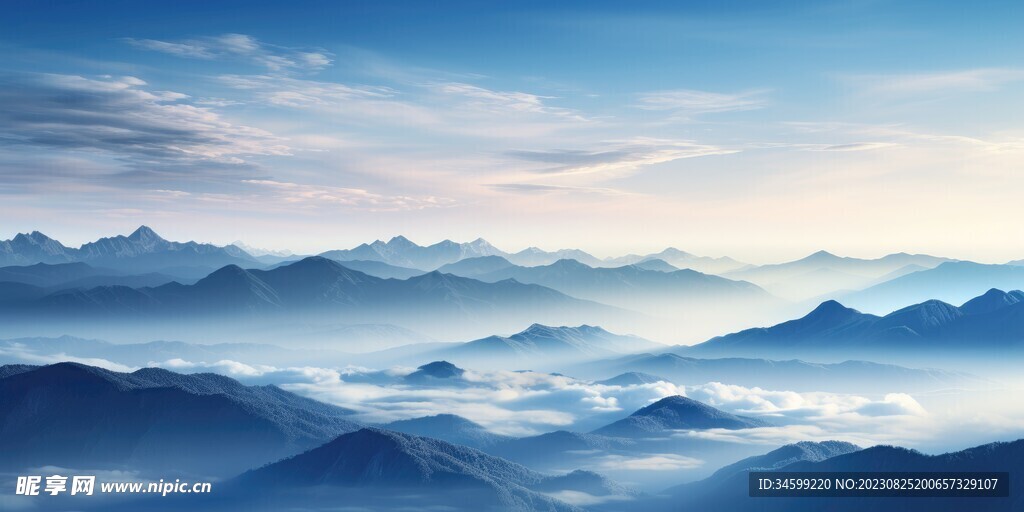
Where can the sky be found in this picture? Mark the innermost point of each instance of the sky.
(762, 130)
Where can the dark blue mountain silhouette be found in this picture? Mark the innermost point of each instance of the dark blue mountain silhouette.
(804, 451)
(74, 415)
(733, 476)
(311, 284)
(676, 413)
(380, 269)
(435, 373)
(388, 470)
(23, 284)
(992, 301)
(46, 275)
(16, 295)
(728, 488)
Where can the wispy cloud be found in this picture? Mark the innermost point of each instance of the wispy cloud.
(617, 158)
(342, 103)
(855, 146)
(541, 189)
(274, 58)
(891, 135)
(651, 462)
(312, 196)
(120, 117)
(838, 148)
(298, 93)
(689, 102)
(481, 99)
(907, 84)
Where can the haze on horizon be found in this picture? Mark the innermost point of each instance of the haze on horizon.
(760, 131)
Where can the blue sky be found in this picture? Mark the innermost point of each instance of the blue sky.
(763, 130)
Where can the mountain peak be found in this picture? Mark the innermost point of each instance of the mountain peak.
(673, 401)
(672, 251)
(569, 263)
(315, 261)
(144, 233)
(35, 237)
(223, 275)
(534, 328)
(400, 241)
(436, 370)
(991, 300)
(821, 255)
(676, 413)
(830, 310)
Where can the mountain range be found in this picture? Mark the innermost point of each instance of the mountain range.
(541, 346)
(992, 320)
(824, 272)
(47, 278)
(80, 416)
(400, 251)
(847, 376)
(727, 489)
(953, 282)
(629, 286)
(141, 251)
(319, 286)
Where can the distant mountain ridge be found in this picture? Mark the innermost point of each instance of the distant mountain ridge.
(953, 282)
(141, 251)
(312, 291)
(402, 252)
(680, 367)
(311, 282)
(56, 276)
(995, 319)
(823, 272)
(545, 344)
(629, 286)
